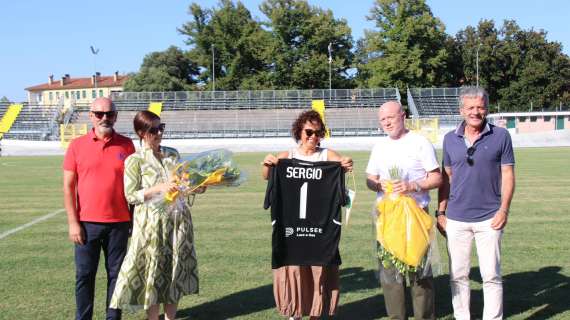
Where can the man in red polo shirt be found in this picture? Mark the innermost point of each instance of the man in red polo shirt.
(97, 212)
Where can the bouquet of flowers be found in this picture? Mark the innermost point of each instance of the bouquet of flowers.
(209, 168)
(404, 230)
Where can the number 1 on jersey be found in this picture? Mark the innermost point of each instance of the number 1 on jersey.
(303, 201)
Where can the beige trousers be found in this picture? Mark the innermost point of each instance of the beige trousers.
(460, 237)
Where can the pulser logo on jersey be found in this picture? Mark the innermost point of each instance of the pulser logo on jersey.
(308, 232)
(305, 200)
(302, 232)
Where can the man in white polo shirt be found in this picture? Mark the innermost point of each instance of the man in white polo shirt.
(415, 156)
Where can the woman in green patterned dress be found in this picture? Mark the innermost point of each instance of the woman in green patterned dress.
(160, 265)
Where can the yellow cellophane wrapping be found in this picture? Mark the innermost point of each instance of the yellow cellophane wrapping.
(403, 228)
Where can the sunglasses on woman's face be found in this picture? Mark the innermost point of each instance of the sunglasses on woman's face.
(155, 130)
(100, 114)
(318, 133)
(469, 155)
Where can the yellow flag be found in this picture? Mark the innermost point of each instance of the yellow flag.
(155, 107)
(319, 106)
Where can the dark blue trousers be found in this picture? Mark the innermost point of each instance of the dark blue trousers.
(112, 238)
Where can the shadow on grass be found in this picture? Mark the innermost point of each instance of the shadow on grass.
(261, 298)
(545, 290)
(233, 305)
(364, 309)
(355, 279)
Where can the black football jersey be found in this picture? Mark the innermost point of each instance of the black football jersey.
(305, 200)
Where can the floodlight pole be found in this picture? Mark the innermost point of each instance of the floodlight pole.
(530, 105)
(213, 70)
(477, 63)
(330, 69)
(330, 82)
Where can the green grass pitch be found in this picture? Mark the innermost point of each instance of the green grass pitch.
(233, 235)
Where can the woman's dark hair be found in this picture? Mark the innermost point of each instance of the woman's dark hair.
(143, 122)
(310, 116)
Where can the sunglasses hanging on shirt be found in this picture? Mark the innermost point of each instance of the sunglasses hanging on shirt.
(469, 155)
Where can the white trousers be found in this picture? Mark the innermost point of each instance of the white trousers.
(459, 243)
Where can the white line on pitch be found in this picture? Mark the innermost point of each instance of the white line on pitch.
(31, 223)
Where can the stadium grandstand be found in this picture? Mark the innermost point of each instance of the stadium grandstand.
(267, 113)
(3, 108)
(440, 103)
(433, 102)
(33, 122)
(249, 114)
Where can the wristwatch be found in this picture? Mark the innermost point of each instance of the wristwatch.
(439, 213)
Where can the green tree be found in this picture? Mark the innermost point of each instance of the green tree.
(237, 42)
(4, 99)
(542, 72)
(169, 70)
(300, 47)
(484, 41)
(517, 67)
(300, 50)
(409, 47)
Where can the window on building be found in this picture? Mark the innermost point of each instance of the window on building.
(93, 94)
(84, 94)
(78, 94)
(66, 94)
(100, 93)
(522, 119)
(532, 119)
(50, 96)
(547, 118)
(57, 95)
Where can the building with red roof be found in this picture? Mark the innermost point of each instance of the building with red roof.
(68, 90)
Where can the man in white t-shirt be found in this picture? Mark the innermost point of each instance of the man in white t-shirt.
(415, 158)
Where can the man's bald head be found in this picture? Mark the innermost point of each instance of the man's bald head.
(103, 104)
(392, 105)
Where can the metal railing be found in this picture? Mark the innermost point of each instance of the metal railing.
(261, 99)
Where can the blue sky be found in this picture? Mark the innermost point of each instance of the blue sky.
(39, 38)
